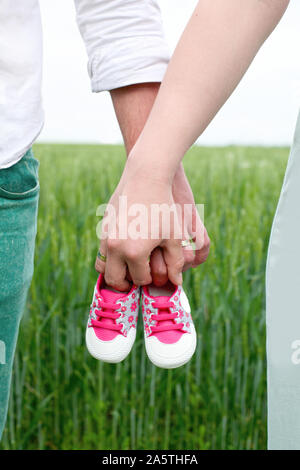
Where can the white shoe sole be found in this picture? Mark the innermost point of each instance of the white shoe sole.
(171, 356)
(113, 351)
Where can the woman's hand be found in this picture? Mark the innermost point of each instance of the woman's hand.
(134, 227)
(192, 227)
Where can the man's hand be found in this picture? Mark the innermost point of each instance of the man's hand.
(182, 194)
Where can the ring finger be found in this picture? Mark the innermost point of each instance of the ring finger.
(101, 257)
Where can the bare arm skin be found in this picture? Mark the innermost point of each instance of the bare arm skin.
(215, 50)
(132, 106)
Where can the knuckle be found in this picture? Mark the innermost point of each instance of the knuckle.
(113, 244)
(206, 239)
(178, 264)
(133, 253)
(112, 281)
(205, 252)
(141, 282)
(108, 279)
(197, 262)
(201, 258)
(115, 285)
(189, 256)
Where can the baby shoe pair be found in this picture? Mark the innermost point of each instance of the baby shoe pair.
(170, 336)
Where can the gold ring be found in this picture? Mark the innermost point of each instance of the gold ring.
(101, 256)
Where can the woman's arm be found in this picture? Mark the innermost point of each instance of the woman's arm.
(215, 50)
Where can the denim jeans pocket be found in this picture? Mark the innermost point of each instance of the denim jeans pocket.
(21, 180)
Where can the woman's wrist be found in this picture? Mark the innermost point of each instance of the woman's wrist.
(153, 169)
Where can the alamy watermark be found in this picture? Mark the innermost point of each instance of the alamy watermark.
(295, 357)
(156, 221)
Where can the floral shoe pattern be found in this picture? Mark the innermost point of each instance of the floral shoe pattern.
(170, 335)
(183, 316)
(112, 321)
(126, 309)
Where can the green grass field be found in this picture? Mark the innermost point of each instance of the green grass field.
(64, 399)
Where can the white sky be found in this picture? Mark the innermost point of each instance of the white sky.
(263, 109)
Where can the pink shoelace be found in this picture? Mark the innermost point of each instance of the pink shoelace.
(165, 316)
(107, 311)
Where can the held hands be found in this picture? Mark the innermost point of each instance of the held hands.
(141, 243)
(192, 228)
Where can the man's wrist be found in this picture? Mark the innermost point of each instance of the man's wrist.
(132, 106)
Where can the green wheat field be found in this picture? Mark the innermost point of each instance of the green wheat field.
(64, 399)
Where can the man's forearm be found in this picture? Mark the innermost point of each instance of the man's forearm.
(132, 106)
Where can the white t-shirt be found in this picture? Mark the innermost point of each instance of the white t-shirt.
(125, 45)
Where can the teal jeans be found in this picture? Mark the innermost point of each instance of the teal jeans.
(19, 194)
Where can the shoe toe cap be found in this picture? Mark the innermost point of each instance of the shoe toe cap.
(171, 355)
(109, 351)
